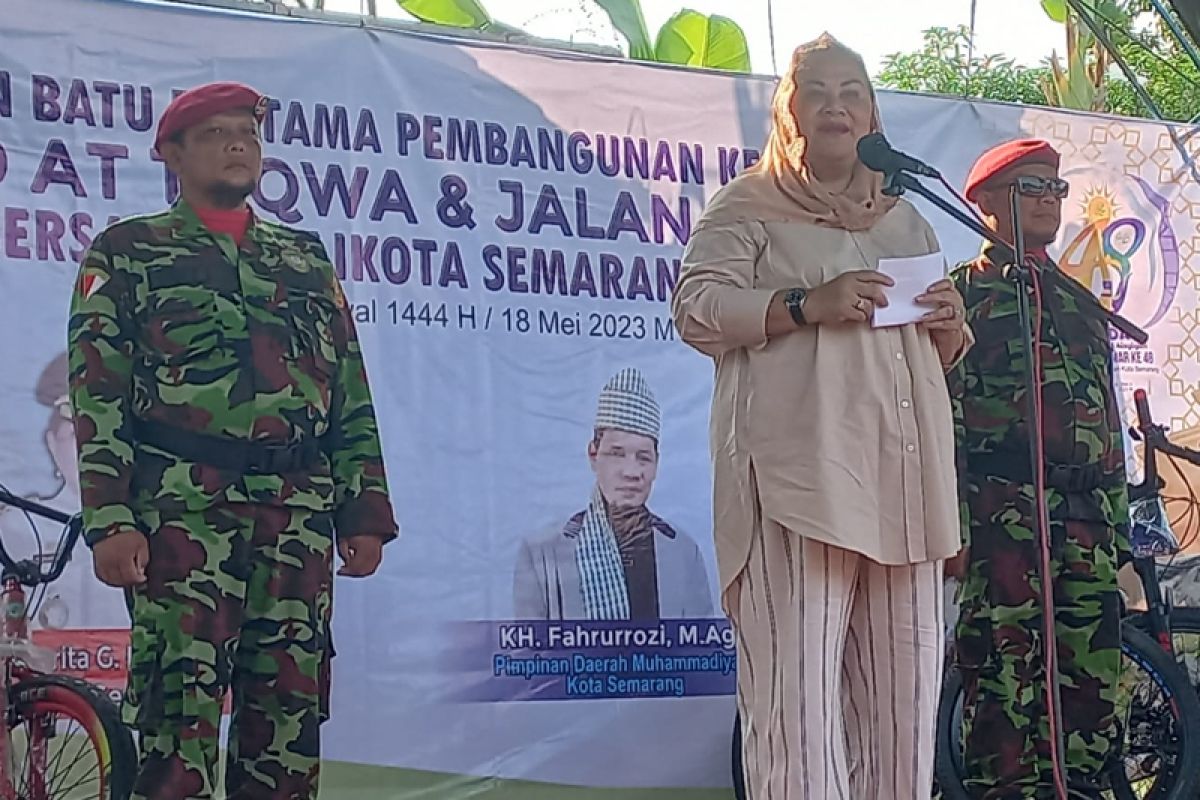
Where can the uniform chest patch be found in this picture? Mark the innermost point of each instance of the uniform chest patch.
(294, 259)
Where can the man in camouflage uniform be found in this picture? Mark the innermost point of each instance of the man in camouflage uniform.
(1000, 641)
(226, 439)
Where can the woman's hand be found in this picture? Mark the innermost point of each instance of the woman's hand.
(946, 322)
(852, 297)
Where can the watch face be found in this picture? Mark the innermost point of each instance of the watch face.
(794, 301)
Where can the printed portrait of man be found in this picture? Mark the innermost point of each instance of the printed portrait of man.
(615, 559)
(77, 599)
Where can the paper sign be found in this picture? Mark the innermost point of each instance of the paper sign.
(912, 276)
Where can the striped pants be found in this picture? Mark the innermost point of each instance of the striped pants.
(840, 666)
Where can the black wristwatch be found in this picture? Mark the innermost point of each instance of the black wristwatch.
(794, 300)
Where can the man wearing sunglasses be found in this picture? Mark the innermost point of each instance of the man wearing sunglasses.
(1000, 642)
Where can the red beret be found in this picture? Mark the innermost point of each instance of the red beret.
(198, 104)
(1007, 155)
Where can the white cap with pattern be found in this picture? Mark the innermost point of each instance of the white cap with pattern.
(627, 404)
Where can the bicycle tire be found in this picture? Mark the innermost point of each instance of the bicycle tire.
(1135, 645)
(1184, 619)
(83, 700)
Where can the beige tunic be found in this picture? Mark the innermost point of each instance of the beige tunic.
(840, 433)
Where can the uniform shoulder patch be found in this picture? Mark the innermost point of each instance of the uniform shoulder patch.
(90, 283)
(339, 295)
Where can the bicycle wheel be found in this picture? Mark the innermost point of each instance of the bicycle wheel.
(1158, 713)
(68, 742)
(1185, 635)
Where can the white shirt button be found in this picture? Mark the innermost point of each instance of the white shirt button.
(911, 448)
(899, 356)
(905, 404)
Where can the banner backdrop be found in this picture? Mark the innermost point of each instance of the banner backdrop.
(508, 226)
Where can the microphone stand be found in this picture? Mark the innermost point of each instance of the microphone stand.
(895, 184)
(1023, 277)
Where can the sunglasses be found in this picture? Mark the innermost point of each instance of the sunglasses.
(1033, 186)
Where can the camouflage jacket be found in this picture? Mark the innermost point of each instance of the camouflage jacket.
(173, 324)
(1081, 419)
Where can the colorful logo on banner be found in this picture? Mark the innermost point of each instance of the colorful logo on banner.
(1125, 249)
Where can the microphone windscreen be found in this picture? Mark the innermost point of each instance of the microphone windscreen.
(875, 152)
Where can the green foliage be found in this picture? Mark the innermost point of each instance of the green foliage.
(452, 13)
(1056, 9)
(626, 17)
(689, 38)
(942, 66)
(1163, 67)
(1161, 64)
(1081, 84)
(697, 40)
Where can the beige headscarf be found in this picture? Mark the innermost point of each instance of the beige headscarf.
(781, 187)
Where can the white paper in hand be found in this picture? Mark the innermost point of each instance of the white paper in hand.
(912, 276)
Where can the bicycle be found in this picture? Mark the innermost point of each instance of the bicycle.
(1167, 623)
(1161, 749)
(64, 720)
(1161, 618)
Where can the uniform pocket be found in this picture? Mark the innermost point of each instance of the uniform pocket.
(182, 324)
(311, 315)
(322, 621)
(144, 707)
(191, 308)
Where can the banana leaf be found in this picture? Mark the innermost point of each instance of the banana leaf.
(451, 13)
(627, 18)
(694, 39)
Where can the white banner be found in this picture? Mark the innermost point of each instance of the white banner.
(508, 226)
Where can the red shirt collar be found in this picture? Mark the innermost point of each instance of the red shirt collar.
(233, 223)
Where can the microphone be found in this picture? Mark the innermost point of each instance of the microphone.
(878, 155)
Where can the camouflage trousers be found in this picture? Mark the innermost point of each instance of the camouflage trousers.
(1000, 650)
(237, 602)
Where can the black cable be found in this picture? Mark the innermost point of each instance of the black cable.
(958, 195)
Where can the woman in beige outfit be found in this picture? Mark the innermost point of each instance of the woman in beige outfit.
(833, 449)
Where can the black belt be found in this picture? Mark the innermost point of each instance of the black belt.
(1070, 478)
(235, 455)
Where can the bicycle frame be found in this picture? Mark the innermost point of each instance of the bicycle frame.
(17, 670)
(1158, 610)
(1154, 437)
(18, 654)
